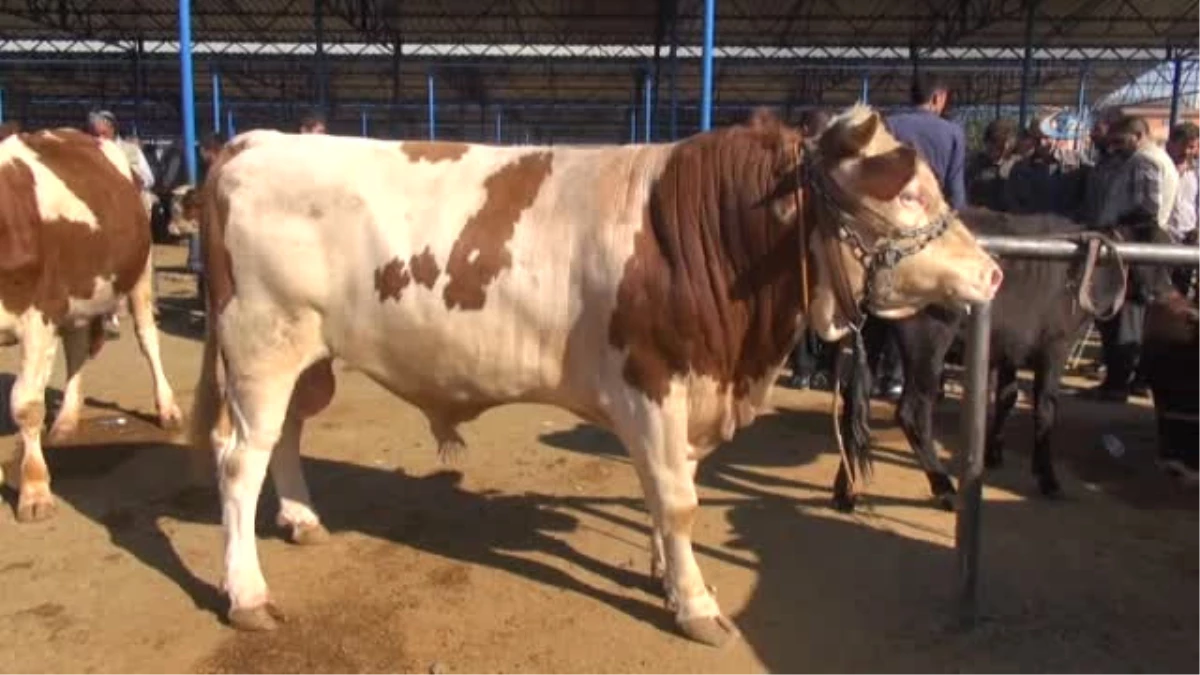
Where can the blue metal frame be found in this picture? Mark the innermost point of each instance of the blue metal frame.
(648, 107)
(216, 99)
(706, 65)
(187, 89)
(429, 85)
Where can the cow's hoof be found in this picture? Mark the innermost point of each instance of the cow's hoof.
(257, 619)
(714, 631)
(62, 430)
(451, 451)
(1049, 487)
(844, 502)
(309, 534)
(170, 418)
(945, 501)
(36, 505)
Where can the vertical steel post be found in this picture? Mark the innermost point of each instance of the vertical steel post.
(673, 71)
(1176, 89)
(432, 106)
(499, 135)
(1, 104)
(230, 129)
(187, 89)
(363, 122)
(706, 65)
(1080, 104)
(139, 84)
(970, 478)
(632, 124)
(1027, 64)
(322, 76)
(648, 106)
(864, 95)
(216, 99)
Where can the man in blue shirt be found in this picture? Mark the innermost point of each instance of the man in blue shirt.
(940, 141)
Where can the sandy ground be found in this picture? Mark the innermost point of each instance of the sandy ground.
(531, 553)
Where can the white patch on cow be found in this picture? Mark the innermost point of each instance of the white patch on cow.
(113, 153)
(473, 256)
(55, 200)
(103, 301)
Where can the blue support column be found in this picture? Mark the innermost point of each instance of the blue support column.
(364, 123)
(1080, 103)
(648, 106)
(632, 124)
(1027, 66)
(230, 129)
(216, 99)
(499, 135)
(864, 95)
(706, 65)
(1, 105)
(187, 89)
(1176, 89)
(432, 106)
(673, 58)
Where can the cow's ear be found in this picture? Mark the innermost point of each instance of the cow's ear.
(884, 176)
(845, 140)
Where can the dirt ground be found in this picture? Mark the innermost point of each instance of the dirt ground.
(530, 554)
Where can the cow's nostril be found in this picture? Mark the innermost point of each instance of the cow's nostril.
(996, 278)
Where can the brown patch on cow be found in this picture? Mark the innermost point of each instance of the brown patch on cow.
(49, 262)
(680, 520)
(424, 268)
(481, 251)
(712, 287)
(433, 151)
(391, 280)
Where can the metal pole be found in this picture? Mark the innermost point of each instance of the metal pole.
(648, 106)
(970, 478)
(230, 129)
(363, 120)
(673, 70)
(706, 65)
(1176, 89)
(1, 105)
(1027, 64)
(394, 110)
(432, 106)
(216, 99)
(187, 89)
(138, 85)
(632, 124)
(319, 29)
(864, 95)
(499, 136)
(1080, 103)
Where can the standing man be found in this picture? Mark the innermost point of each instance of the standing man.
(1141, 193)
(1047, 180)
(943, 145)
(103, 124)
(941, 142)
(988, 170)
(313, 123)
(1184, 148)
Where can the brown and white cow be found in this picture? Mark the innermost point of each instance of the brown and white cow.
(74, 241)
(654, 290)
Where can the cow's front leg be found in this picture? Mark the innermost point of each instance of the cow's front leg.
(667, 469)
(141, 307)
(28, 406)
(76, 343)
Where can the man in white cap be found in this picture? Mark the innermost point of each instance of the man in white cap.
(103, 124)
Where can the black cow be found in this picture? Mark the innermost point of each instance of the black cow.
(1036, 318)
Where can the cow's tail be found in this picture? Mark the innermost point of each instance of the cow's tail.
(209, 418)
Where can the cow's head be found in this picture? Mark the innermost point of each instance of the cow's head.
(185, 211)
(872, 194)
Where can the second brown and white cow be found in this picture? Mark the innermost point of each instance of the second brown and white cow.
(74, 242)
(653, 290)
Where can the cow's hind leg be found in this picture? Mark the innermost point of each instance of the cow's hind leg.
(76, 345)
(924, 341)
(312, 394)
(141, 307)
(265, 355)
(666, 466)
(28, 402)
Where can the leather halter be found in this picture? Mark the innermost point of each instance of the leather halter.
(841, 220)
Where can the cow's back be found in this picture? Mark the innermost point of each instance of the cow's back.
(454, 274)
(74, 234)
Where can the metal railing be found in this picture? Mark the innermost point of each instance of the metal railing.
(970, 485)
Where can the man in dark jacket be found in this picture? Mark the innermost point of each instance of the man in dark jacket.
(987, 170)
(941, 142)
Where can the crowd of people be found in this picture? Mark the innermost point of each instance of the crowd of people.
(1125, 178)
